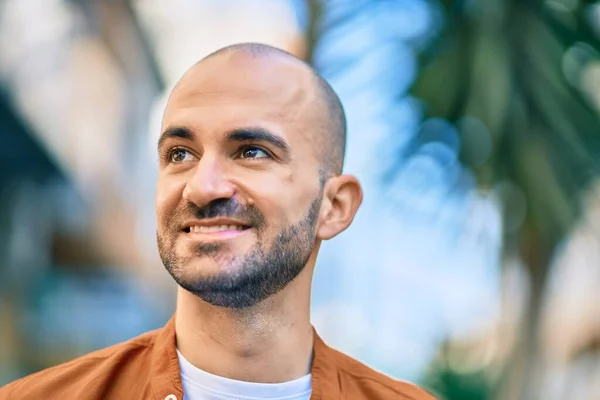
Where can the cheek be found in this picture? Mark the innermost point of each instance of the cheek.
(282, 199)
(267, 195)
(169, 193)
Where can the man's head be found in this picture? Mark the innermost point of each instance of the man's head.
(250, 182)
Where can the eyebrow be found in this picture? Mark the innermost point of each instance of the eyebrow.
(258, 134)
(175, 132)
(236, 135)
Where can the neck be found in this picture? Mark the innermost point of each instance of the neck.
(268, 343)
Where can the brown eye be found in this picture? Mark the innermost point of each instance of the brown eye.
(179, 156)
(253, 152)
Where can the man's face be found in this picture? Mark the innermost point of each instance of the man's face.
(239, 189)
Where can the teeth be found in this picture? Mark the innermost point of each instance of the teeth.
(217, 228)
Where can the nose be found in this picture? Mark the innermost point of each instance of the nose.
(208, 183)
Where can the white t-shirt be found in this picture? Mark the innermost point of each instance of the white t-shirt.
(200, 385)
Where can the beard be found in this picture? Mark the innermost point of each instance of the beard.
(259, 273)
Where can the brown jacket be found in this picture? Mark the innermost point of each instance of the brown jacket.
(147, 367)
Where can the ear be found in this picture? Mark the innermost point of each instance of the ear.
(342, 197)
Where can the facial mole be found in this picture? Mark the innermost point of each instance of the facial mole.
(250, 201)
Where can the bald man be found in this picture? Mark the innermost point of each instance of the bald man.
(250, 183)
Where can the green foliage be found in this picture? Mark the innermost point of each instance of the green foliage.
(519, 67)
(453, 385)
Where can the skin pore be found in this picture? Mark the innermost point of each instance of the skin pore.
(247, 190)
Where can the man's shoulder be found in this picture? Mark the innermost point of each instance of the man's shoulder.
(85, 371)
(357, 376)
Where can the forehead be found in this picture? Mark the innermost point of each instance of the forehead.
(233, 90)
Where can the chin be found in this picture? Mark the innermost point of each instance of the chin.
(221, 289)
(203, 268)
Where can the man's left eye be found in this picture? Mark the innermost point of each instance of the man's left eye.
(253, 152)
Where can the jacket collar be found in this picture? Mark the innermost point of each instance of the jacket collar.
(165, 377)
(325, 377)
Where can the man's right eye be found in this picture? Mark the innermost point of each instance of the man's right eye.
(178, 156)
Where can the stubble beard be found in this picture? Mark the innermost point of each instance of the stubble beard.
(258, 275)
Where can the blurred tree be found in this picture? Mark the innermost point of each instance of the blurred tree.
(458, 386)
(514, 76)
(519, 67)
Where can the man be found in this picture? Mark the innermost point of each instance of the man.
(249, 184)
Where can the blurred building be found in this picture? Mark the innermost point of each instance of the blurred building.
(84, 86)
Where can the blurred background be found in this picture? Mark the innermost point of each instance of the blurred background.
(473, 267)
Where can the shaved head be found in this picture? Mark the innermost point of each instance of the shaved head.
(330, 133)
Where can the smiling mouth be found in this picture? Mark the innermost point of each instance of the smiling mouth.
(214, 232)
(215, 229)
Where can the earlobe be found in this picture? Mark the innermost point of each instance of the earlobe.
(344, 195)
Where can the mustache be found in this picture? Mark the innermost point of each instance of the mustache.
(224, 208)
